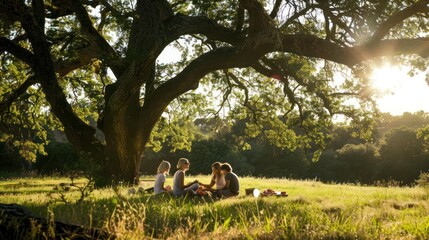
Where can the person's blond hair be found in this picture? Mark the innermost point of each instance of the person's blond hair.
(216, 165)
(181, 162)
(164, 166)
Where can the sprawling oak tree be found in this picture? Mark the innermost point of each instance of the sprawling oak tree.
(56, 51)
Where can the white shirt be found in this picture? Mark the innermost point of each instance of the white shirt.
(177, 190)
(220, 181)
(159, 182)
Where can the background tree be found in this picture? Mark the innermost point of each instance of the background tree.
(327, 168)
(409, 120)
(403, 156)
(358, 163)
(273, 57)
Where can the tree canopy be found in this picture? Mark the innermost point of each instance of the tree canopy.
(94, 65)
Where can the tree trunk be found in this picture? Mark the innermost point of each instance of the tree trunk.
(124, 144)
(123, 158)
(127, 128)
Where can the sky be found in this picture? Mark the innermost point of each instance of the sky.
(399, 92)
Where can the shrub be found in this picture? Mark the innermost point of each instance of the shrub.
(423, 180)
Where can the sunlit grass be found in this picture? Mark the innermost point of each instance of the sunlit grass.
(313, 210)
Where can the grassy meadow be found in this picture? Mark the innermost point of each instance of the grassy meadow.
(313, 210)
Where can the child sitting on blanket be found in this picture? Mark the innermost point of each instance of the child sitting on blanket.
(163, 169)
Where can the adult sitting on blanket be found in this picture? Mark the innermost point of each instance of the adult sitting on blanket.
(179, 187)
(232, 184)
(218, 179)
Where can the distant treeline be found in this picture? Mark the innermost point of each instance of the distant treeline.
(397, 154)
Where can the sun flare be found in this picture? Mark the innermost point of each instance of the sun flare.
(386, 80)
(396, 92)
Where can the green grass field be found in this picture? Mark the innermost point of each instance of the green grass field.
(313, 210)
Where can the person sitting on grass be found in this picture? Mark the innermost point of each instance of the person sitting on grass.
(163, 170)
(179, 187)
(232, 184)
(218, 179)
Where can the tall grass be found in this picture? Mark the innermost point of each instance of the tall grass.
(313, 210)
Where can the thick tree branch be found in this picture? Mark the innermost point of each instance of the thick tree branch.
(164, 9)
(56, 11)
(146, 42)
(84, 57)
(276, 8)
(39, 11)
(220, 58)
(239, 19)
(259, 20)
(148, 36)
(108, 54)
(310, 46)
(17, 51)
(11, 9)
(78, 132)
(180, 25)
(5, 104)
(421, 6)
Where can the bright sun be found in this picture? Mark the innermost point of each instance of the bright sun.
(397, 92)
(386, 80)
